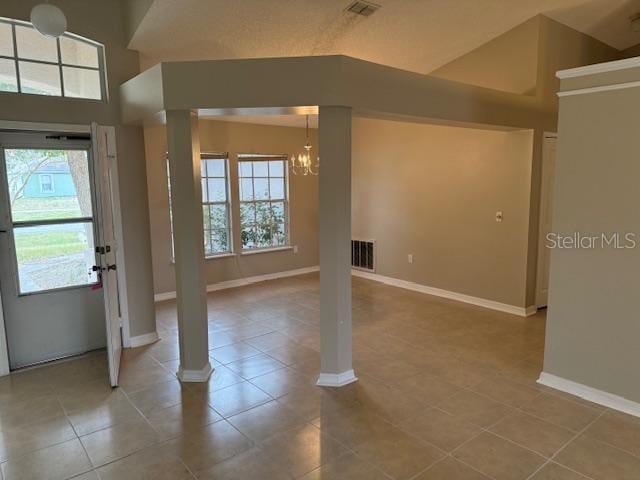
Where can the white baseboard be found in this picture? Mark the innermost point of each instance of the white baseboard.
(336, 379)
(241, 282)
(200, 376)
(142, 340)
(591, 394)
(438, 292)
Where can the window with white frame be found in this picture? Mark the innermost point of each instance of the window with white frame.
(68, 66)
(216, 205)
(264, 211)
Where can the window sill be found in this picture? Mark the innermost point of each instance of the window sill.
(222, 255)
(212, 257)
(266, 250)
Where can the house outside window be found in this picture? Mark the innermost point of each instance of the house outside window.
(46, 183)
(264, 208)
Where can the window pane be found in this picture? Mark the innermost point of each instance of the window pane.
(260, 169)
(263, 212)
(248, 236)
(40, 79)
(77, 52)
(81, 83)
(276, 186)
(54, 256)
(261, 188)
(246, 189)
(217, 189)
(220, 241)
(245, 169)
(278, 234)
(276, 168)
(35, 46)
(6, 40)
(208, 249)
(247, 214)
(69, 195)
(8, 81)
(277, 212)
(218, 216)
(215, 168)
(206, 217)
(263, 237)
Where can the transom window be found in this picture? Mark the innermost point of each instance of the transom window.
(264, 216)
(68, 66)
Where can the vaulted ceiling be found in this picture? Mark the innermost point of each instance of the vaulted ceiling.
(416, 35)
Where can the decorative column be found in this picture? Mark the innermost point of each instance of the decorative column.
(186, 200)
(335, 247)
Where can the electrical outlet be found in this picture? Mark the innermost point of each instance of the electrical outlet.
(499, 217)
(410, 258)
(295, 249)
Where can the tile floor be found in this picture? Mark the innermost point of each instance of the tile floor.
(447, 391)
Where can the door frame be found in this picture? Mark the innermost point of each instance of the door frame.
(122, 279)
(541, 244)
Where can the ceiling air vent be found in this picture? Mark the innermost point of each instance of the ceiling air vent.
(362, 8)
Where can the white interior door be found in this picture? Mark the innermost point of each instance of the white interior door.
(546, 217)
(104, 147)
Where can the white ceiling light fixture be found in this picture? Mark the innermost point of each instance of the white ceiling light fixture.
(49, 20)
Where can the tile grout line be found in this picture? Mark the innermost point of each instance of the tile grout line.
(565, 445)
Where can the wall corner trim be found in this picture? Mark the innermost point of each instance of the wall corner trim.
(142, 340)
(196, 376)
(336, 379)
(438, 292)
(240, 282)
(591, 394)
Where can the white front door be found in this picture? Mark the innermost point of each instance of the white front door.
(52, 301)
(104, 148)
(546, 217)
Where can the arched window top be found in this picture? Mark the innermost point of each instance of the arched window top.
(69, 66)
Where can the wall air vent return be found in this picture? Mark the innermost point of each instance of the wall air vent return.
(362, 8)
(363, 255)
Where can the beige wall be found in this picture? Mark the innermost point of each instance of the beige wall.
(592, 326)
(433, 191)
(101, 21)
(508, 62)
(235, 138)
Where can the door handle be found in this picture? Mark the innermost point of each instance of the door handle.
(110, 267)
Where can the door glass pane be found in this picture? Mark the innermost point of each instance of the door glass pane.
(8, 82)
(34, 46)
(6, 40)
(40, 79)
(54, 256)
(77, 52)
(81, 83)
(48, 184)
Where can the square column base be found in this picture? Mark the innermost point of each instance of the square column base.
(336, 379)
(194, 376)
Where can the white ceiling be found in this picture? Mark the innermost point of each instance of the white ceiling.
(417, 35)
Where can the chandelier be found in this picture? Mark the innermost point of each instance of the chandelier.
(303, 164)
